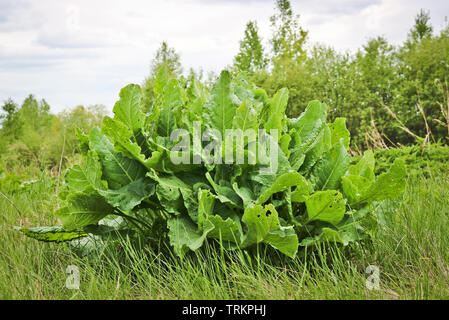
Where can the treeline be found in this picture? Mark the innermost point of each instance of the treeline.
(32, 137)
(390, 95)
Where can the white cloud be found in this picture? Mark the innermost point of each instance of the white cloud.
(83, 52)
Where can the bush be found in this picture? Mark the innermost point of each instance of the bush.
(293, 187)
(427, 160)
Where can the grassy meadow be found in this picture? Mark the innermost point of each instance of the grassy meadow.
(411, 254)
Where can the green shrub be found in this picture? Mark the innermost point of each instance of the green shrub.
(418, 159)
(301, 192)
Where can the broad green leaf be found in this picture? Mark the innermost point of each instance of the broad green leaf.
(389, 185)
(118, 170)
(276, 112)
(206, 201)
(245, 117)
(339, 131)
(327, 172)
(316, 147)
(121, 136)
(183, 234)
(52, 234)
(354, 187)
(83, 209)
(327, 206)
(296, 150)
(171, 101)
(221, 107)
(128, 108)
(129, 196)
(301, 192)
(283, 183)
(311, 136)
(224, 229)
(309, 123)
(263, 226)
(170, 198)
(259, 221)
(161, 80)
(170, 187)
(326, 235)
(80, 178)
(284, 143)
(245, 193)
(224, 193)
(284, 239)
(76, 178)
(365, 166)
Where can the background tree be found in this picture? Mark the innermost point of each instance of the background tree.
(165, 57)
(251, 57)
(422, 28)
(288, 37)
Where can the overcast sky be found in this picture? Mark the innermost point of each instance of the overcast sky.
(83, 51)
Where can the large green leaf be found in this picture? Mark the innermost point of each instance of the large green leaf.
(222, 104)
(122, 136)
(118, 170)
(80, 178)
(316, 147)
(364, 167)
(327, 206)
(128, 109)
(52, 234)
(225, 193)
(183, 234)
(309, 123)
(206, 202)
(283, 183)
(245, 117)
(327, 172)
(325, 235)
(276, 112)
(284, 239)
(389, 185)
(339, 131)
(354, 187)
(263, 226)
(259, 221)
(131, 195)
(224, 229)
(83, 209)
(171, 101)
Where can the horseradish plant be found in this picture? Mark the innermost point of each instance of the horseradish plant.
(290, 183)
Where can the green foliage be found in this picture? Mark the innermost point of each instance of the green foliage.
(128, 172)
(35, 138)
(360, 86)
(167, 62)
(52, 234)
(288, 37)
(419, 160)
(422, 28)
(251, 55)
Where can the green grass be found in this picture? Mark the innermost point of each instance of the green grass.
(412, 255)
